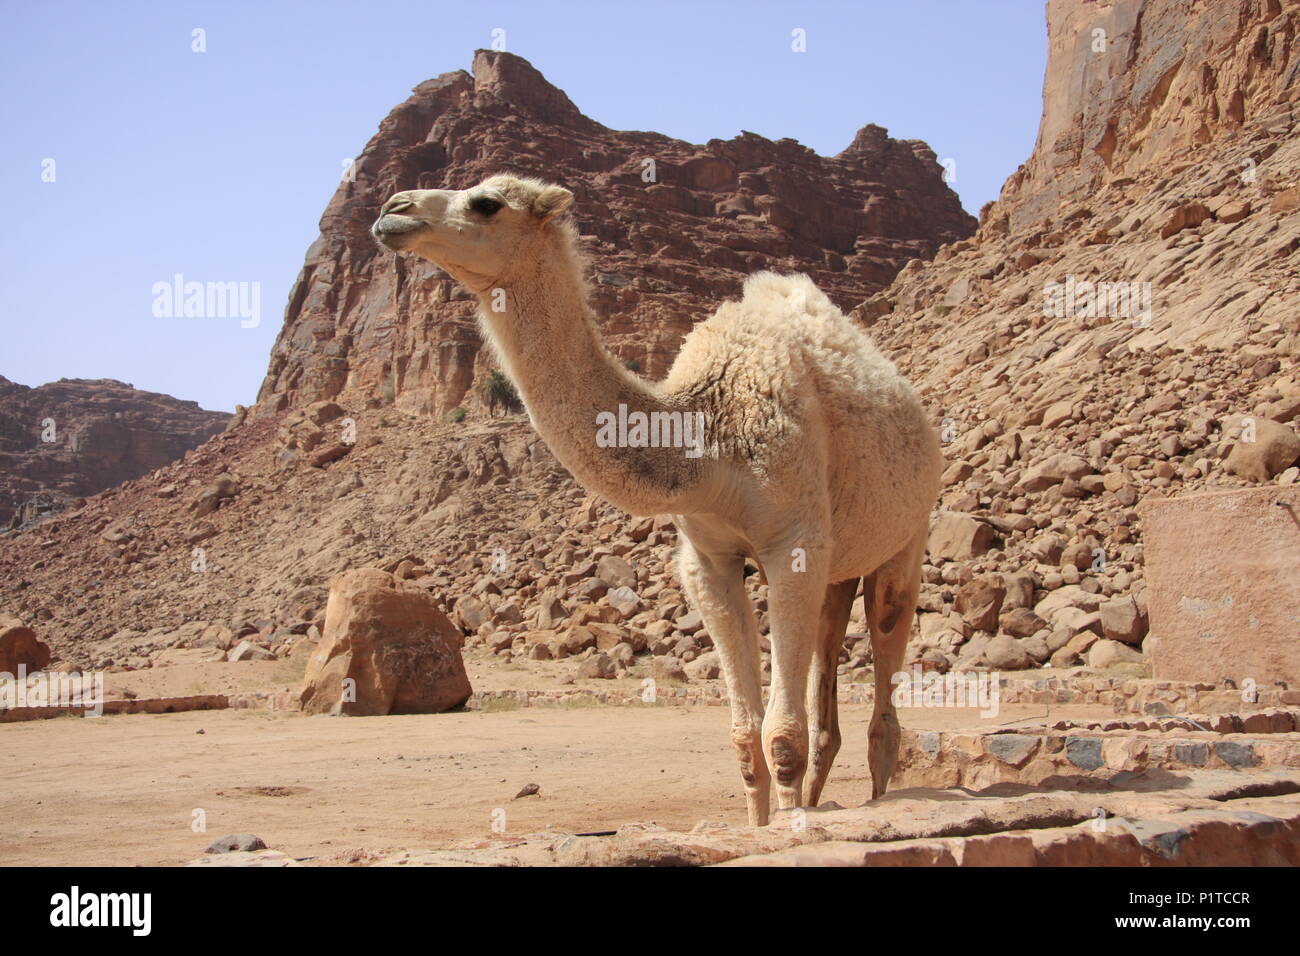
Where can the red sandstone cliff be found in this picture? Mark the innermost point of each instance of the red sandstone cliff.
(75, 437)
(666, 244)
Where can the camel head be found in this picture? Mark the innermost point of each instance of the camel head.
(478, 235)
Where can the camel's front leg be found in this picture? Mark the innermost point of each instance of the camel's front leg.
(823, 709)
(716, 588)
(796, 591)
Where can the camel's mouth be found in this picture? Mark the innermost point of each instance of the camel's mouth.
(393, 230)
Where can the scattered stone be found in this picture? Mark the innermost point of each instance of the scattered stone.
(1006, 653)
(959, 537)
(598, 666)
(236, 843)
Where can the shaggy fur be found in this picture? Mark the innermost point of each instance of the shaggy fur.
(819, 462)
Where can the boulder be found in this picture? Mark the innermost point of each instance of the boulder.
(211, 497)
(247, 651)
(624, 600)
(1007, 654)
(575, 640)
(1187, 216)
(1104, 653)
(1020, 622)
(955, 536)
(704, 667)
(1121, 620)
(616, 572)
(387, 649)
(471, 613)
(19, 645)
(1275, 448)
(550, 610)
(979, 601)
(1053, 471)
(598, 666)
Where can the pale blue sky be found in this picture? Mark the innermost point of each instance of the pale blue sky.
(218, 165)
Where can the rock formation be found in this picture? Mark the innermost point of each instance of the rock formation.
(387, 649)
(671, 229)
(75, 437)
(19, 646)
(1123, 324)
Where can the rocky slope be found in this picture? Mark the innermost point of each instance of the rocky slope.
(1127, 307)
(75, 437)
(671, 229)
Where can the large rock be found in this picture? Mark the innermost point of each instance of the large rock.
(390, 639)
(1104, 653)
(979, 601)
(616, 572)
(1223, 591)
(959, 537)
(1275, 448)
(19, 645)
(1054, 470)
(1007, 654)
(1122, 620)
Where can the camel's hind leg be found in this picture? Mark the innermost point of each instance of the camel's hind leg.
(890, 599)
(716, 588)
(823, 712)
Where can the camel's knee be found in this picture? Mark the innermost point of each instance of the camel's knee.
(787, 756)
(748, 745)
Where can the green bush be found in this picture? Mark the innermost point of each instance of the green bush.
(498, 391)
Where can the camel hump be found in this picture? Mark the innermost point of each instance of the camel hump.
(776, 294)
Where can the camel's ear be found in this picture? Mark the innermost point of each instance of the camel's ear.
(552, 201)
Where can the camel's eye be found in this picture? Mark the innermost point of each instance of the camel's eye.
(484, 206)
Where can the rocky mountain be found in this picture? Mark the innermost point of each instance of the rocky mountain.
(671, 229)
(75, 437)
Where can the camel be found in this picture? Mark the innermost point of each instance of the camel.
(817, 461)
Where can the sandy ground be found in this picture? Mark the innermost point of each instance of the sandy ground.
(125, 790)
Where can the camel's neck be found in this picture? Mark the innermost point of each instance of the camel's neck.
(581, 400)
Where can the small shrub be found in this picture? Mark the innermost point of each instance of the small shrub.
(497, 390)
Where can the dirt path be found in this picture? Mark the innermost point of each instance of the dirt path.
(123, 790)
